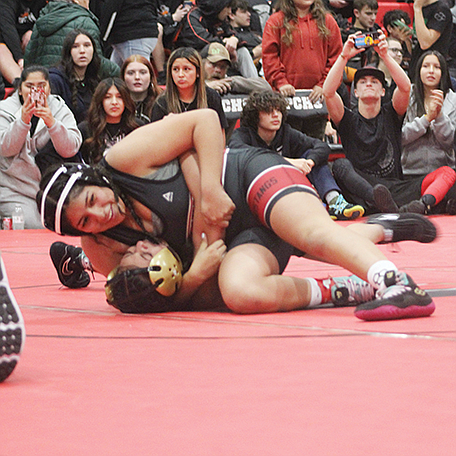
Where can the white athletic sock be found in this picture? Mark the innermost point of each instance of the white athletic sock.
(315, 293)
(376, 273)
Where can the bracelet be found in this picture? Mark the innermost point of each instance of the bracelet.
(342, 55)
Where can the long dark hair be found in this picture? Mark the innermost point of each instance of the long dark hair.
(93, 146)
(154, 90)
(290, 20)
(90, 175)
(91, 78)
(172, 92)
(418, 88)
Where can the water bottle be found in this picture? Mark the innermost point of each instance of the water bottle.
(18, 218)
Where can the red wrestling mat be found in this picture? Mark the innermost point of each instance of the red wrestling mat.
(320, 382)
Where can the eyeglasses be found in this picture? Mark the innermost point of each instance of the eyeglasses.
(396, 51)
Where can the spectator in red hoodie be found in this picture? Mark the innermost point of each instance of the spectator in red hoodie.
(301, 42)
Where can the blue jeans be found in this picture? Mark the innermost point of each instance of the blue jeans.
(141, 46)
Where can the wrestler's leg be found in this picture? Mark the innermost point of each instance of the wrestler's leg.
(300, 219)
(249, 281)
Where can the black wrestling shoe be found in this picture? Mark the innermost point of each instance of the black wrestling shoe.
(402, 298)
(12, 330)
(70, 263)
(405, 227)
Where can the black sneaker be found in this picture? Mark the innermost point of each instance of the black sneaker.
(12, 330)
(69, 262)
(415, 207)
(405, 227)
(384, 201)
(451, 207)
(402, 298)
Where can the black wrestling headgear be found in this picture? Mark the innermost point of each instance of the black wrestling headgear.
(55, 189)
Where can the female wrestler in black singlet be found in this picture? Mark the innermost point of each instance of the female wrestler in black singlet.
(270, 196)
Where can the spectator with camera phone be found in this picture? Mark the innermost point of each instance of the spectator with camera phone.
(29, 120)
(397, 25)
(371, 135)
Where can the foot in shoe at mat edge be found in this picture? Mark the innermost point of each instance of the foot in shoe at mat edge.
(12, 330)
(402, 298)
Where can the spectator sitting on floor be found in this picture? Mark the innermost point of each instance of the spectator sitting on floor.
(371, 137)
(29, 119)
(263, 125)
(395, 50)
(207, 23)
(76, 76)
(430, 122)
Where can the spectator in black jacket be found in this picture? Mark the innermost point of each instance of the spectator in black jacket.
(240, 17)
(76, 77)
(207, 23)
(263, 125)
(170, 16)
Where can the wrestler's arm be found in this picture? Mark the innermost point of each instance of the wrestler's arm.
(205, 265)
(190, 169)
(160, 142)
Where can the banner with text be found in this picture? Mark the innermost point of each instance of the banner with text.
(298, 106)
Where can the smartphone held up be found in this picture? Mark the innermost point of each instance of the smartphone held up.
(367, 40)
(37, 95)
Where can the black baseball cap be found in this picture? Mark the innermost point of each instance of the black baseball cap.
(370, 71)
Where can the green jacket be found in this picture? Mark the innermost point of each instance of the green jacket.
(56, 20)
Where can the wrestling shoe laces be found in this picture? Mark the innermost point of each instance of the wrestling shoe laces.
(405, 227)
(399, 298)
(12, 330)
(350, 291)
(71, 264)
(340, 209)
